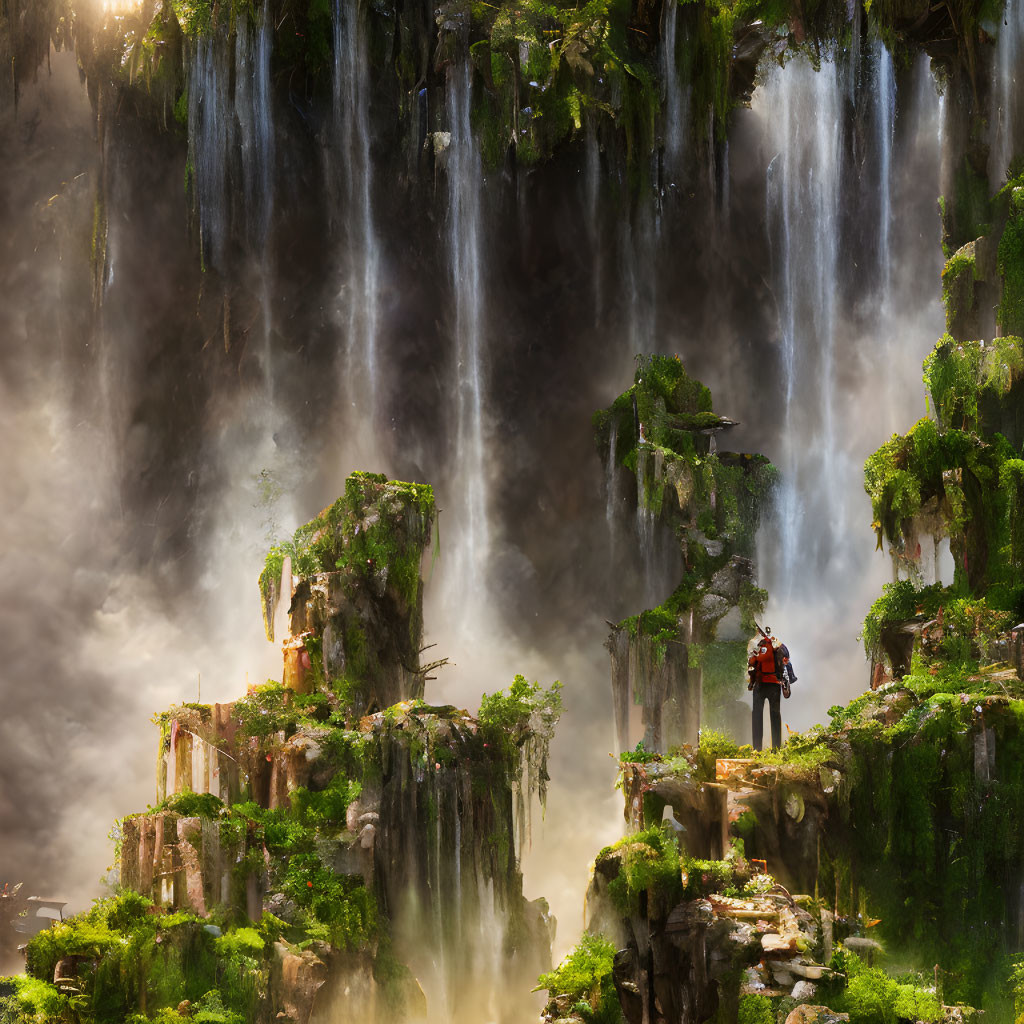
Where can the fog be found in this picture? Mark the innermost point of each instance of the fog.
(165, 423)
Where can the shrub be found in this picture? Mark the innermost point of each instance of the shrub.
(585, 975)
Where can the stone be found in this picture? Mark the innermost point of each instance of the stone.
(190, 832)
(728, 581)
(689, 915)
(624, 971)
(366, 836)
(779, 973)
(280, 906)
(803, 991)
(778, 943)
(755, 980)
(295, 980)
(563, 1002)
(713, 606)
(810, 971)
(808, 1014)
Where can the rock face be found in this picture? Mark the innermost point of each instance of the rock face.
(688, 959)
(684, 661)
(356, 603)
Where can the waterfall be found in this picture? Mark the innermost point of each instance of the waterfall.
(803, 136)
(465, 186)
(676, 99)
(885, 126)
(255, 122)
(359, 296)
(850, 356)
(1006, 104)
(211, 130)
(884, 116)
(256, 139)
(225, 121)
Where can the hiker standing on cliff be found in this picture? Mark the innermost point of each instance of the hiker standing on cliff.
(766, 680)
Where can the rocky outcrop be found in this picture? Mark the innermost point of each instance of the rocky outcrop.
(383, 842)
(701, 898)
(356, 594)
(698, 957)
(707, 503)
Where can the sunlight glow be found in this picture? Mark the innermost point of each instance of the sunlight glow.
(121, 7)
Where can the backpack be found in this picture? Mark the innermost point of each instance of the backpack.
(781, 652)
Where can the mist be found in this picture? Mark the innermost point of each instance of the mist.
(166, 421)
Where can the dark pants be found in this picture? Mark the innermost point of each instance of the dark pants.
(771, 692)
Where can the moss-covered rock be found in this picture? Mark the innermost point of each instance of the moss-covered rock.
(308, 852)
(360, 841)
(900, 821)
(356, 603)
(663, 431)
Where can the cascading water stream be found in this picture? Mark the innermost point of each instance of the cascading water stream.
(359, 296)
(885, 126)
(1006, 111)
(848, 356)
(676, 99)
(253, 48)
(884, 116)
(638, 246)
(465, 187)
(803, 140)
(611, 501)
(212, 127)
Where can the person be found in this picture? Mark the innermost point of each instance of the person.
(767, 686)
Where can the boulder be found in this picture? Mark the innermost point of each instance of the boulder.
(295, 980)
(808, 1014)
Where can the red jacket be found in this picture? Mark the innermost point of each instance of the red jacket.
(764, 664)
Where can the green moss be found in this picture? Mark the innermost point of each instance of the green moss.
(711, 747)
(133, 956)
(265, 710)
(958, 277)
(650, 868)
(639, 755)
(1010, 314)
(194, 16)
(189, 804)
(26, 1000)
(376, 526)
(756, 1010)
(970, 212)
(873, 997)
(585, 976)
(181, 109)
(899, 603)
